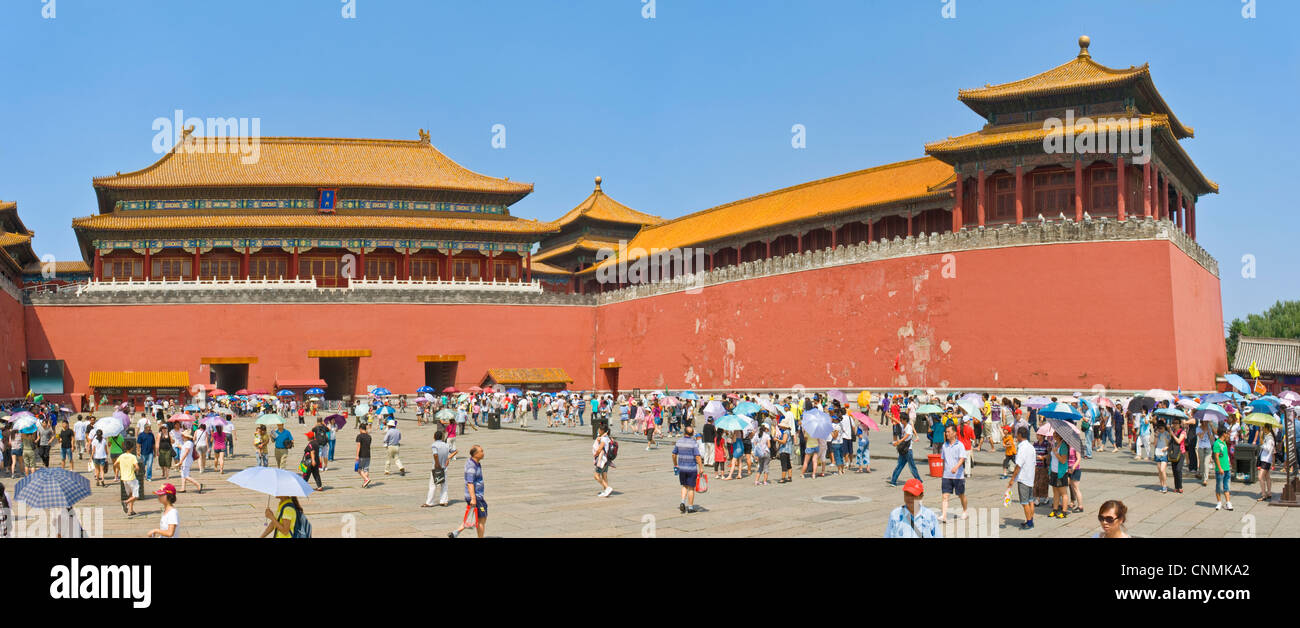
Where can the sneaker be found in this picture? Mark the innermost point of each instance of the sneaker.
(692, 510)
(1028, 525)
(607, 492)
(1218, 506)
(452, 535)
(1229, 505)
(682, 507)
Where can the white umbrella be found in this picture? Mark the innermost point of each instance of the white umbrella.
(1160, 394)
(714, 409)
(109, 426)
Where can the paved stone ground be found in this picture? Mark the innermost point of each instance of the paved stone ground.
(539, 484)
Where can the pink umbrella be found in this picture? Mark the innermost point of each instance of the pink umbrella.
(837, 395)
(865, 420)
(181, 418)
(1045, 430)
(1104, 401)
(669, 401)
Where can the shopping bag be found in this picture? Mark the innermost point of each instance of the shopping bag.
(702, 483)
(471, 516)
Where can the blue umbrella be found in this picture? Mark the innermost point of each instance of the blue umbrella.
(388, 410)
(1092, 407)
(285, 393)
(1216, 398)
(270, 481)
(1237, 382)
(191, 408)
(1173, 412)
(686, 394)
(315, 391)
(514, 391)
(429, 389)
(747, 408)
(1060, 411)
(731, 422)
(52, 488)
(1263, 405)
(1210, 412)
(381, 392)
(817, 423)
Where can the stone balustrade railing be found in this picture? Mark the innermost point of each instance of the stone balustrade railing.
(1029, 233)
(206, 285)
(435, 284)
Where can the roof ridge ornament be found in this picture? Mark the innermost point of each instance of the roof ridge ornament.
(1084, 42)
(424, 137)
(598, 180)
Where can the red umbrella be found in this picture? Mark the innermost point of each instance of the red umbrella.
(475, 389)
(733, 396)
(259, 391)
(241, 391)
(450, 389)
(219, 392)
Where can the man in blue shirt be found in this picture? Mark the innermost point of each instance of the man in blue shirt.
(146, 442)
(686, 462)
(912, 520)
(473, 494)
(282, 438)
(954, 470)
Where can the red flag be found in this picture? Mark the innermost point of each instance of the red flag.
(898, 366)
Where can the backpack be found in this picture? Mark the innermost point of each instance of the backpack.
(301, 526)
(611, 450)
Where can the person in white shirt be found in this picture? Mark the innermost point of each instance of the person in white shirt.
(1266, 445)
(170, 523)
(1022, 477)
(79, 435)
(599, 451)
(201, 443)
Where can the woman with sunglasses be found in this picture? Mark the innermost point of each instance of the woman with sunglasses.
(1112, 516)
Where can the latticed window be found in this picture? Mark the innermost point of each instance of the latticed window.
(425, 268)
(381, 268)
(1053, 193)
(1004, 199)
(268, 268)
(171, 268)
(466, 269)
(1104, 189)
(219, 267)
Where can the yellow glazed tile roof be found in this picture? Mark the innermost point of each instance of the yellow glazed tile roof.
(1035, 133)
(882, 185)
(338, 353)
(530, 376)
(139, 379)
(600, 206)
(315, 162)
(120, 221)
(59, 267)
(586, 244)
(14, 239)
(547, 269)
(1080, 73)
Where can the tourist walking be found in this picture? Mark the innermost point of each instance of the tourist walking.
(260, 440)
(1223, 471)
(165, 452)
(904, 438)
(442, 457)
(762, 443)
(1177, 453)
(954, 472)
(362, 464)
(1059, 477)
(170, 522)
(128, 467)
(188, 455)
(65, 445)
(1162, 441)
(601, 453)
(476, 505)
(1204, 450)
(393, 444)
(309, 467)
(283, 441)
(1266, 447)
(1023, 476)
(98, 456)
(146, 442)
(912, 520)
(686, 464)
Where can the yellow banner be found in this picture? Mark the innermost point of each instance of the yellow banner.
(1254, 371)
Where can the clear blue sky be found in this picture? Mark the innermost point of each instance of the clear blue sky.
(679, 113)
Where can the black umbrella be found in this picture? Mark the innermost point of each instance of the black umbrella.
(1145, 404)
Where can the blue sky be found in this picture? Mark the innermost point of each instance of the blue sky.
(678, 113)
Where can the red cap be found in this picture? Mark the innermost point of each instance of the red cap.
(914, 486)
(167, 489)
(309, 435)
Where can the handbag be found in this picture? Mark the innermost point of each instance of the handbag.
(702, 483)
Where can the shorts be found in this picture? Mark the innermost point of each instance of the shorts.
(132, 488)
(687, 478)
(363, 464)
(481, 508)
(1221, 481)
(101, 463)
(1025, 493)
(810, 450)
(1162, 458)
(1057, 480)
(785, 461)
(1076, 475)
(749, 448)
(1267, 466)
(65, 453)
(953, 485)
(762, 463)
(29, 457)
(602, 469)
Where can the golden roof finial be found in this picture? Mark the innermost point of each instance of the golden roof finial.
(424, 136)
(1084, 41)
(598, 183)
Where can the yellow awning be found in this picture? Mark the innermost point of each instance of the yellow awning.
(440, 358)
(139, 379)
(339, 353)
(611, 365)
(237, 360)
(529, 376)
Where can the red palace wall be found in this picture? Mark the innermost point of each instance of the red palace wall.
(176, 337)
(13, 347)
(1067, 316)
(1124, 315)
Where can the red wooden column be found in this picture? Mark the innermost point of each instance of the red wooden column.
(1078, 189)
(245, 264)
(834, 232)
(406, 264)
(979, 197)
(957, 201)
(528, 266)
(871, 230)
(1121, 182)
(99, 265)
(1191, 217)
(1163, 190)
(768, 243)
(148, 268)
(1178, 211)
(198, 262)
(710, 261)
(491, 265)
(1020, 195)
(909, 223)
(446, 269)
(361, 261)
(1146, 189)
(798, 239)
(293, 264)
